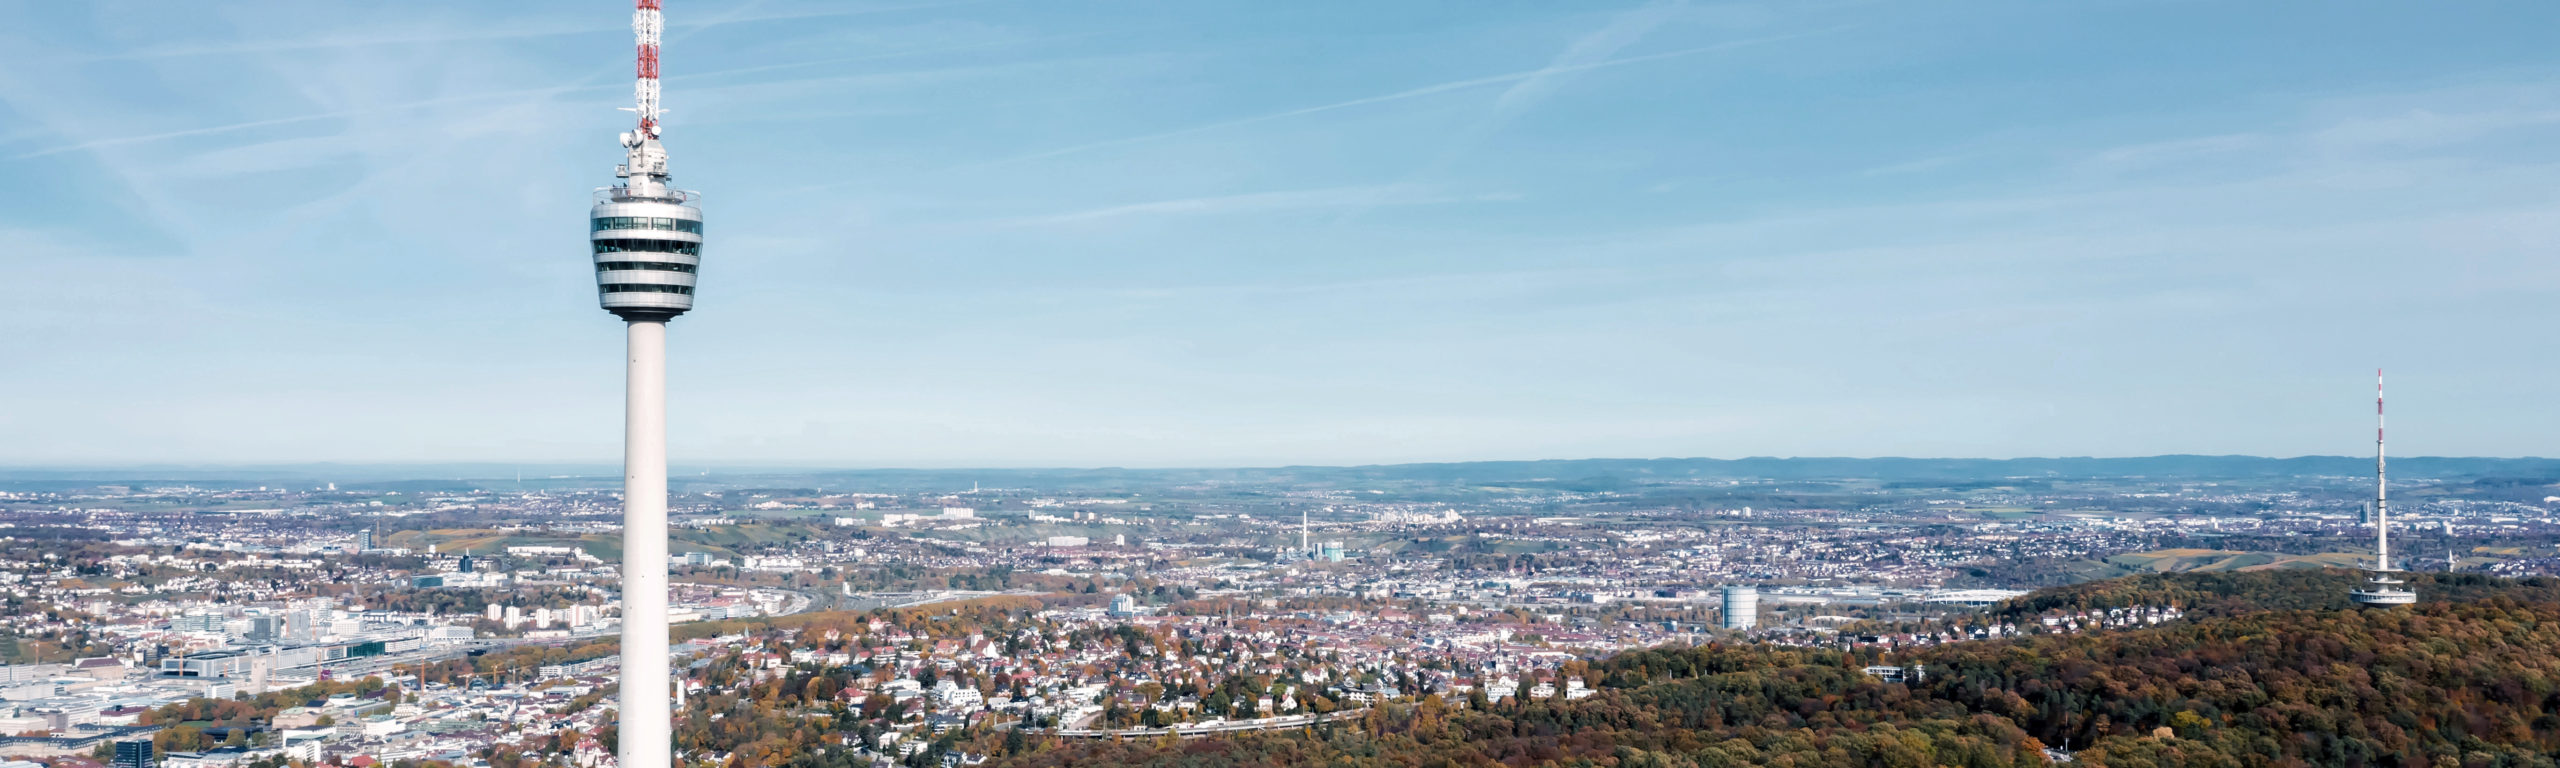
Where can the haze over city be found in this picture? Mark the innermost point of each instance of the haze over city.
(1019, 234)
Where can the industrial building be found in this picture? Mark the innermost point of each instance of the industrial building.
(1741, 606)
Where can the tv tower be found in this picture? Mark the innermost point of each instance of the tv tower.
(2381, 591)
(647, 240)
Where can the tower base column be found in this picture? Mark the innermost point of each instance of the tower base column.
(647, 724)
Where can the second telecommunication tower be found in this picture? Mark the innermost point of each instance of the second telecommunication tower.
(2381, 591)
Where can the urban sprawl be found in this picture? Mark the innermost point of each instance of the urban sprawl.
(224, 622)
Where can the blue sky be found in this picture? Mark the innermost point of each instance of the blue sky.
(1205, 233)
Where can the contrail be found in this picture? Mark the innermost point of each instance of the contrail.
(1414, 93)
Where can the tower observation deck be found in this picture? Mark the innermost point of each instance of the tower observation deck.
(648, 250)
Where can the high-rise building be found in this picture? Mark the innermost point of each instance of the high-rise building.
(646, 239)
(261, 673)
(364, 540)
(1303, 530)
(134, 753)
(197, 621)
(1741, 606)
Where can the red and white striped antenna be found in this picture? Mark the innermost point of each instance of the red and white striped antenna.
(646, 24)
(645, 168)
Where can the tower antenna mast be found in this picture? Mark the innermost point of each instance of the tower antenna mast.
(2381, 591)
(647, 24)
(645, 172)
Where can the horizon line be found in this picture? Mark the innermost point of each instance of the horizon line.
(743, 465)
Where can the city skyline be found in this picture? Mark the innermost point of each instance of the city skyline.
(993, 234)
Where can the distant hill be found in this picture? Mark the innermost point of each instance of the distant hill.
(2173, 466)
(1565, 474)
(2244, 592)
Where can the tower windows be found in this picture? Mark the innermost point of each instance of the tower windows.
(647, 246)
(602, 223)
(657, 266)
(647, 288)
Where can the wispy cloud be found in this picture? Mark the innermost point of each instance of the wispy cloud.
(265, 157)
(2143, 156)
(495, 32)
(835, 60)
(1403, 95)
(1921, 165)
(589, 84)
(44, 103)
(2424, 127)
(1582, 55)
(2384, 138)
(1261, 202)
(199, 210)
(209, 130)
(485, 33)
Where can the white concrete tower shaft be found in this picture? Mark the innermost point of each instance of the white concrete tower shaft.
(647, 722)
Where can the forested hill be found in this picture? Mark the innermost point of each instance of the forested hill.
(2235, 593)
(2471, 677)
